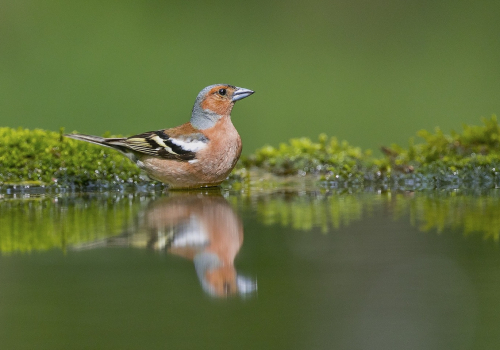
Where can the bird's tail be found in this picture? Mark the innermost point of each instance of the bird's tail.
(115, 143)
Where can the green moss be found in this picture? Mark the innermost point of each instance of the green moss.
(38, 157)
(302, 155)
(476, 145)
(467, 159)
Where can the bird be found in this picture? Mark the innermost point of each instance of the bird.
(199, 153)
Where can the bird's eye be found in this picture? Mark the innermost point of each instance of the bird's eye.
(222, 92)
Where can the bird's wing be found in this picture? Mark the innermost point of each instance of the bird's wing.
(165, 145)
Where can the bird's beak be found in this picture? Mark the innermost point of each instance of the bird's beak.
(241, 93)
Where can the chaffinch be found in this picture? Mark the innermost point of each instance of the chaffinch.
(200, 153)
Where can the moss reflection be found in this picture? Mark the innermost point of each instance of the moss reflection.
(307, 212)
(47, 223)
(66, 221)
(471, 214)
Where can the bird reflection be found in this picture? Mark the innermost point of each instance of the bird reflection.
(205, 229)
(200, 226)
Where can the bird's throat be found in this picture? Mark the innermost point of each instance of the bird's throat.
(204, 119)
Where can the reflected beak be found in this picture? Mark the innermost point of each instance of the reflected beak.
(241, 93)
(246, 285)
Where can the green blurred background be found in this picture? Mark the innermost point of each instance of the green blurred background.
(370, 72)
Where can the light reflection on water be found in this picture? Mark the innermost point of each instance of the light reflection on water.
(362, 271)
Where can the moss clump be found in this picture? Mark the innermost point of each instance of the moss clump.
(470, 158)
(303, 156)
(40, 157)
(467, 159)
(479, 145)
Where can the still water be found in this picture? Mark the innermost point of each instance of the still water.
(281, 269)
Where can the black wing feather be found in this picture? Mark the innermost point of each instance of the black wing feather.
(160, 144)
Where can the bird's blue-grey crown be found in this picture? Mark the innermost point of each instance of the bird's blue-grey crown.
(203, 118)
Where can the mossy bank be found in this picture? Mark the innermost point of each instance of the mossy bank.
(470, 158)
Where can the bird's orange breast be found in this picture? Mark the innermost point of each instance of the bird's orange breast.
(211, 166)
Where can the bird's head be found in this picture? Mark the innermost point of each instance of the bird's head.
(214, 102)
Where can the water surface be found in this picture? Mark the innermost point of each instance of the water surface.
(278, 269)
